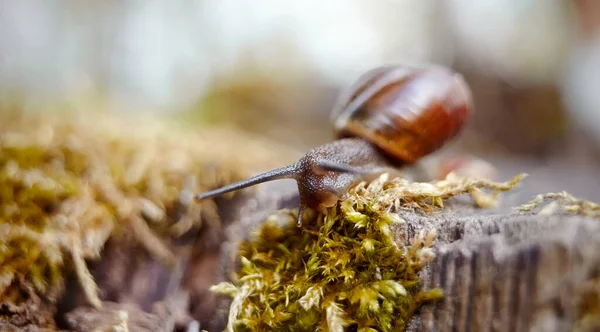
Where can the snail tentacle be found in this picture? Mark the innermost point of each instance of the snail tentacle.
(286, 172)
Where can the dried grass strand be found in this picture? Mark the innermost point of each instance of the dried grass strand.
(562, 200)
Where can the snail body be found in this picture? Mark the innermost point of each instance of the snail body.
(392, 116)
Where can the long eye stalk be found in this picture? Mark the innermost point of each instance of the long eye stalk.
(286, 172)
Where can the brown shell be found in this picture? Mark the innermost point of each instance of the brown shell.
(408, 112)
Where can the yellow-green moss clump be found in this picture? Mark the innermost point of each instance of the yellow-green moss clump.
(68, 181)
(342, 270)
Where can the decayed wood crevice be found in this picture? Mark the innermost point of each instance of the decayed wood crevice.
(522, 278)
(500, 270)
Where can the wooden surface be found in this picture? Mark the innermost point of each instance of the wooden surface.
(500, 270)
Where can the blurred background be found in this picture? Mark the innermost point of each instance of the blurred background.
(275, 68)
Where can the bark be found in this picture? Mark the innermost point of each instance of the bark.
(500, 270)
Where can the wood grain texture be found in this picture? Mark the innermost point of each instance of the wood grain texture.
(524, 277)
(500, 270)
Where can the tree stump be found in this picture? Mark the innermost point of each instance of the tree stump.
(499, 270)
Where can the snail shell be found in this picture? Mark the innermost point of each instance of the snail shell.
(391, 116)
(407, 112)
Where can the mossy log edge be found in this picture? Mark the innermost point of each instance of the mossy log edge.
(499, 269)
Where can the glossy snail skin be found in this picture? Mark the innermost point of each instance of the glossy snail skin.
(325, 173)
(391, 116)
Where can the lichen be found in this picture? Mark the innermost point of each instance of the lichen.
(71, 180)
(342, 270)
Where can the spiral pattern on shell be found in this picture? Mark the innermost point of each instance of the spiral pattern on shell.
(408, 112)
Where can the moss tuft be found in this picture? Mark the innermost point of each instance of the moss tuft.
(564, 201)
(69, 181)
(342, 270)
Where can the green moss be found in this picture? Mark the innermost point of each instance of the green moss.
(68, 182)
(336, 271)
(342, 270)
(32, 189)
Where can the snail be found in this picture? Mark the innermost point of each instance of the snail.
(390, 117)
